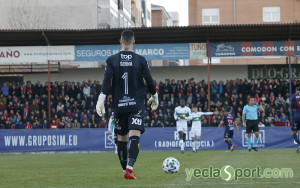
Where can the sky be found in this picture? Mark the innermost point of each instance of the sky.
(180, 6)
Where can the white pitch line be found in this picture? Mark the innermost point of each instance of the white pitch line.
(204, 184)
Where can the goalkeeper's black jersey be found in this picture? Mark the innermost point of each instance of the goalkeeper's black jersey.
(124, 77)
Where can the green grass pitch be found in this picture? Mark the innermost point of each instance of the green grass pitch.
(104, 170)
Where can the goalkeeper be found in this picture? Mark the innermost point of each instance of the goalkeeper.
(124, 76)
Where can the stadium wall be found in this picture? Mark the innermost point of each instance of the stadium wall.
(159, 74)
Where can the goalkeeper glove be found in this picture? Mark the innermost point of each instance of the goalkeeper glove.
(100, 104)
(153, 101)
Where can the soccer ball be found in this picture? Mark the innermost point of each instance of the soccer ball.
(171, 165)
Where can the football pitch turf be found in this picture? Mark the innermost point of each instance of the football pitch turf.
(104, 170)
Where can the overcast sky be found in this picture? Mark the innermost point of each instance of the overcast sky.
(180, 6)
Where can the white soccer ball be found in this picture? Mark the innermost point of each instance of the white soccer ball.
(171, 165)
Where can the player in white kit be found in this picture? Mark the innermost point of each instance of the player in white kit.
(111, 130)
(196, 126)
(181, 114)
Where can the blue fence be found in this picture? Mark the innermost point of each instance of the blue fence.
(152, 139)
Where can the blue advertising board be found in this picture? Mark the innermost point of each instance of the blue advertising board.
(149, 51)
(152, 139)
(259, 48)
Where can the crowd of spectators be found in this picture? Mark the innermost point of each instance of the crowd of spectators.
(272, 94)
(25, 105)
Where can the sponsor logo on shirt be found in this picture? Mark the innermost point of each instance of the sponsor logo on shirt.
(126, 57)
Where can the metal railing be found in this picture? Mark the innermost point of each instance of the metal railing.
(29, 68)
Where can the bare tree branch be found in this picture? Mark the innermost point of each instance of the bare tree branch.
(27, 14)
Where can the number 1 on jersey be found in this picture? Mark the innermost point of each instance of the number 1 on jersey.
(125, 77)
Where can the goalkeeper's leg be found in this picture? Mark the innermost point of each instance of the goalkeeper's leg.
(134, 139)
(122, 150)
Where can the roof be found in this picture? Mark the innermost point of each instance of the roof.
(158, 7)
(154, 35)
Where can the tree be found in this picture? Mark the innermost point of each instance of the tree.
(27, 14)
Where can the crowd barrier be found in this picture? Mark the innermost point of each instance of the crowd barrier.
(152, 139)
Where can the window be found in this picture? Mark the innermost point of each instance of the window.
(210, 16)
(271, 14)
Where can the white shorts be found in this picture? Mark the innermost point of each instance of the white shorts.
(196, 131)
(182, 128)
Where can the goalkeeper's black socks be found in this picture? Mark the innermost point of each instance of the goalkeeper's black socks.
(122, 153)
(133, 151)
(296, 139)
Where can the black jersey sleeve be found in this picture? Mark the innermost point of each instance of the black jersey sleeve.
(147, 76)
(108, 75)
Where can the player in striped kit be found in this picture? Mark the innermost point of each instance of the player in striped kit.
(111, 130)
(196, 126)
(296, 118)
(181, 114)
(229, 122)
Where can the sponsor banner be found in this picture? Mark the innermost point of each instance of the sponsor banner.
(272, 71)
(149, 51)
(152, 139)
(198, 50)
(260, 48)
(36, 54)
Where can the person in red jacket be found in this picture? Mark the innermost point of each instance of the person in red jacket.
(279, 123)
(53, 125)
(28, 125)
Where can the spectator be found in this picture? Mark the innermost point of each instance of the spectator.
(28, 125)
(87, 90)
(5, 89)
(218, 99)
(68, 124)
(54, 125)
(189, 99)
(278, 123)
(76, 124)
(60, 107)
(279, 99)
(2, 107)
(44, 124)
(35, 126)
(214, 89)
(34, 107)
(283, 118)
(147, 121)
